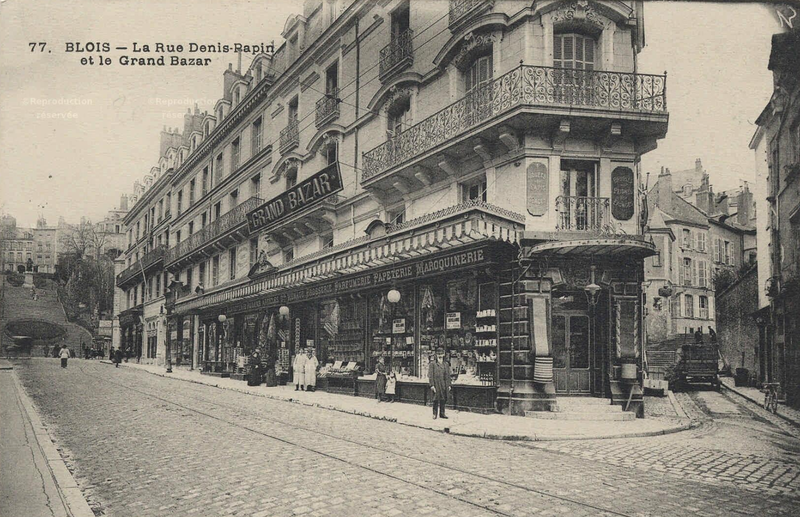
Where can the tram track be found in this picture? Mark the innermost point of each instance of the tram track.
(294, 427)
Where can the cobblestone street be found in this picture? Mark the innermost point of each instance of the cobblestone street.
(143, 445)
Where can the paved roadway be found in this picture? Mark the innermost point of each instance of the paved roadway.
(143, 445)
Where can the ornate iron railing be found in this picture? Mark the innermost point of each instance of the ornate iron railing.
(459, 9)
(327, 108)
(397, 53)
(525, 85)
(225, 223)
(290, 136)
(455, 209)
(582, 214)
(143, 263)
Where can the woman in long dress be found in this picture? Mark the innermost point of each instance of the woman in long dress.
(310, 370)
(297, 370)
(380, 380)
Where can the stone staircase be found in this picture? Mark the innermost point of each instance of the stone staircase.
(583, 408)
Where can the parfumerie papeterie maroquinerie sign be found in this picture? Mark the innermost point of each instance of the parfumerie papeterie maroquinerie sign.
(305, 194)
(421, 268)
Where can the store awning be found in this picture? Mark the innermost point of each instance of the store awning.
(612, 247)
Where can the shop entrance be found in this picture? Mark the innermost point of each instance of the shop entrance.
(571, 352)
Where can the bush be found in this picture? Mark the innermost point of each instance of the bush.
(40, 282)
(15, 279)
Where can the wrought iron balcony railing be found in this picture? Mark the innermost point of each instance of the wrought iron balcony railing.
(397, 54)
(461, 9)
(142, 264)
(290, 136)
(328, 108)
(583, 214)
(524, 86)
(224, 224)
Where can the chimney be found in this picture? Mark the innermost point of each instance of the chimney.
(722, 205)
(664, 193)
(744, 201)
(228, 78)
(123, 203)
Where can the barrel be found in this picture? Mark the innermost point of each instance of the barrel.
(543, 369)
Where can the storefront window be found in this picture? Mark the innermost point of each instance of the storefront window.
(460, 326)
(431, 314)
(392, 330)
(341, 330)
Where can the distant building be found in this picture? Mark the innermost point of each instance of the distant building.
(28, 249)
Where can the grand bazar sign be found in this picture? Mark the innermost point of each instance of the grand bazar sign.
(422, 268)
(303, 195)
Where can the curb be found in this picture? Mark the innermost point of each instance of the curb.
(677, 405)
(68, 489)
(759, 404)
(446, 430)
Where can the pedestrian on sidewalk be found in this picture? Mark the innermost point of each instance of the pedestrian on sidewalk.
(439, 380)
(391, 385)
(254, 379)
(64, 355)
(310, 370)
(297, 370)
(117, 357)
(57, 349)
(380, 380)
(270, 378)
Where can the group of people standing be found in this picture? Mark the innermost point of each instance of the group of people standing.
(304, 368)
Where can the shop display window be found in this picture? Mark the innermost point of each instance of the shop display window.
(341, 330)
(392, 331)
(431, 314)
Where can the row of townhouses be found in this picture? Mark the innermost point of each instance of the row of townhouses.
(400, 176)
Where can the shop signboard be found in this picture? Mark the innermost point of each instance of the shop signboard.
(305, 194)
(433, 265)
(538, 188)
(399, 326)
(453, 321)
(623, 193)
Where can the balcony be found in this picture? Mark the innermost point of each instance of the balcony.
(462, 11)
(544, 96)
(583, 214)
(227, 229)
(397, 55)
(290, 136)
(146, 263)
(327, 108)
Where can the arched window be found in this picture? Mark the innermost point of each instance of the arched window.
(399, 116)
(571, 50)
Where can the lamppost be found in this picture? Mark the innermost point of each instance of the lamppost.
(393, 297)
(169, 305)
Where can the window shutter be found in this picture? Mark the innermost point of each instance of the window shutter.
(694, 272)
(589, 53)
(558, 42)
(569, 51)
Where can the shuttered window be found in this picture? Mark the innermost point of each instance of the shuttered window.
(478, 73)
(573, 51)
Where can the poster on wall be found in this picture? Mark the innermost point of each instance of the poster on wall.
(623, 193)
(537, 188)
(453, 321)
(399, 326)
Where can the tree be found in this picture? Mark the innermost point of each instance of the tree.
(85, 239)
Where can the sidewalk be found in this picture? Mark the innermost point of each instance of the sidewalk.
(756, 396)
(34, 482)
(461, 423)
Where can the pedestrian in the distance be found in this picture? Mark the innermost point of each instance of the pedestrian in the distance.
(64, 355)
(698, 336)
(117, 354)
(270, 378)
(57, 349)
(310, 370)
(439, 380)
(380, 380)
(254, 378)
(391, 385)
(297, 370)
(712, 335)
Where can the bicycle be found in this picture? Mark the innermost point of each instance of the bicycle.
(771, 396)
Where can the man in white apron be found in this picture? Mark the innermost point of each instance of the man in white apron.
(297, 370)
(310, 370)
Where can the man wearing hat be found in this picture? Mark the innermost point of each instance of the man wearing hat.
(439, 380)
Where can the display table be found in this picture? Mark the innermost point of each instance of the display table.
(344, 383)
(413, 391)
(322, 383)
(473, 397)
(365, 387)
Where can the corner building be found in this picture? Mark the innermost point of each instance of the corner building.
(401, 176)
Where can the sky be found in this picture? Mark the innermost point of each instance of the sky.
(74, 137)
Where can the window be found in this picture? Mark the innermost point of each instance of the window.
(235, 150)
(178, 236)
(474, 190)
(703, 307)
(257, 135)
(701, 242)
(232, 263)
(327, 241)
(687, 239)
(253, 251)
(573, 51)
(218, 172)
(294, 107)
(331, 153)
(205, 181)
(288, 255)
(203, 220)
(687, 271)
(215, 270)
(191, 227)
(728, 253)
(180, 207)
(702, 270)
(478, 73)
(399, 116)
(688, 306)
(332, 80)
(657, 259)
(201, 280)
(191, 192)
(234, 198)
(255, 185)
(158, 286)
(291, 178)
(217, 210)
(397, 216)
(401, 21)
(718, 250)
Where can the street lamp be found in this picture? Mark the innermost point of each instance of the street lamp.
(284, 311)
(169, 305)
(592, 290)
